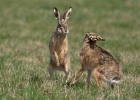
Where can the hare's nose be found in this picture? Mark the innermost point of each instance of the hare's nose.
(67, 31)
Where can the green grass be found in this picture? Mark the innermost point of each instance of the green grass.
(25, 30)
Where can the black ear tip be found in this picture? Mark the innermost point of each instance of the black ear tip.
(70, 7)
(55, 8)
(103, 39)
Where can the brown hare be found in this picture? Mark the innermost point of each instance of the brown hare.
(58, 46)
(93, 57)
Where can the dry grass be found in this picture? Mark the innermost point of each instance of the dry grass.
(25, 30)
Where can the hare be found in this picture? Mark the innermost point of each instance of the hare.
(93, 57)
(58, 45)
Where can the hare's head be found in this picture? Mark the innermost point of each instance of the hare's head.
(92, 37)
(62, 27)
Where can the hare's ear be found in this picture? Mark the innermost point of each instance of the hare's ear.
(56, 13)
(99, 38)
(86, 37)
(67, 13)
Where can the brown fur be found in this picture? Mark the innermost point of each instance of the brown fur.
(93, 57)
(58, 46)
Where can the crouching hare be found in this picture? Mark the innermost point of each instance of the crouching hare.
(58, 46)
(94, 58)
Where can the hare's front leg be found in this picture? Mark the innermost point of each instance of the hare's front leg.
(89, 76)
(77, 76)
(61, 56)
(56, 58)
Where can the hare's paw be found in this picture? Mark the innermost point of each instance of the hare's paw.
(57, 63)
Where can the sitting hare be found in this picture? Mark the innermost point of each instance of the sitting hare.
(58, 46)
(94, 58)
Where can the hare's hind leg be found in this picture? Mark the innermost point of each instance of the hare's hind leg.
(97, 77)
(51, 68)
(67, 69)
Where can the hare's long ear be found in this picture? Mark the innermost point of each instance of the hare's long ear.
(67, 13)
(86, 37)
(56, 13)
(99, 38)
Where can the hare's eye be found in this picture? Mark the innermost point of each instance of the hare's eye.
(91, 37)
(60, 25)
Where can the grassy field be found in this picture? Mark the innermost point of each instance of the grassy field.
(25, 30)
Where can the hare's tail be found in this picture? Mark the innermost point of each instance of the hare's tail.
(114, 80)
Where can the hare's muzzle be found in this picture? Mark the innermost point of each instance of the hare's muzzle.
(67, 31)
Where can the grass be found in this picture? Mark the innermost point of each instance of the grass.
(25, 30)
